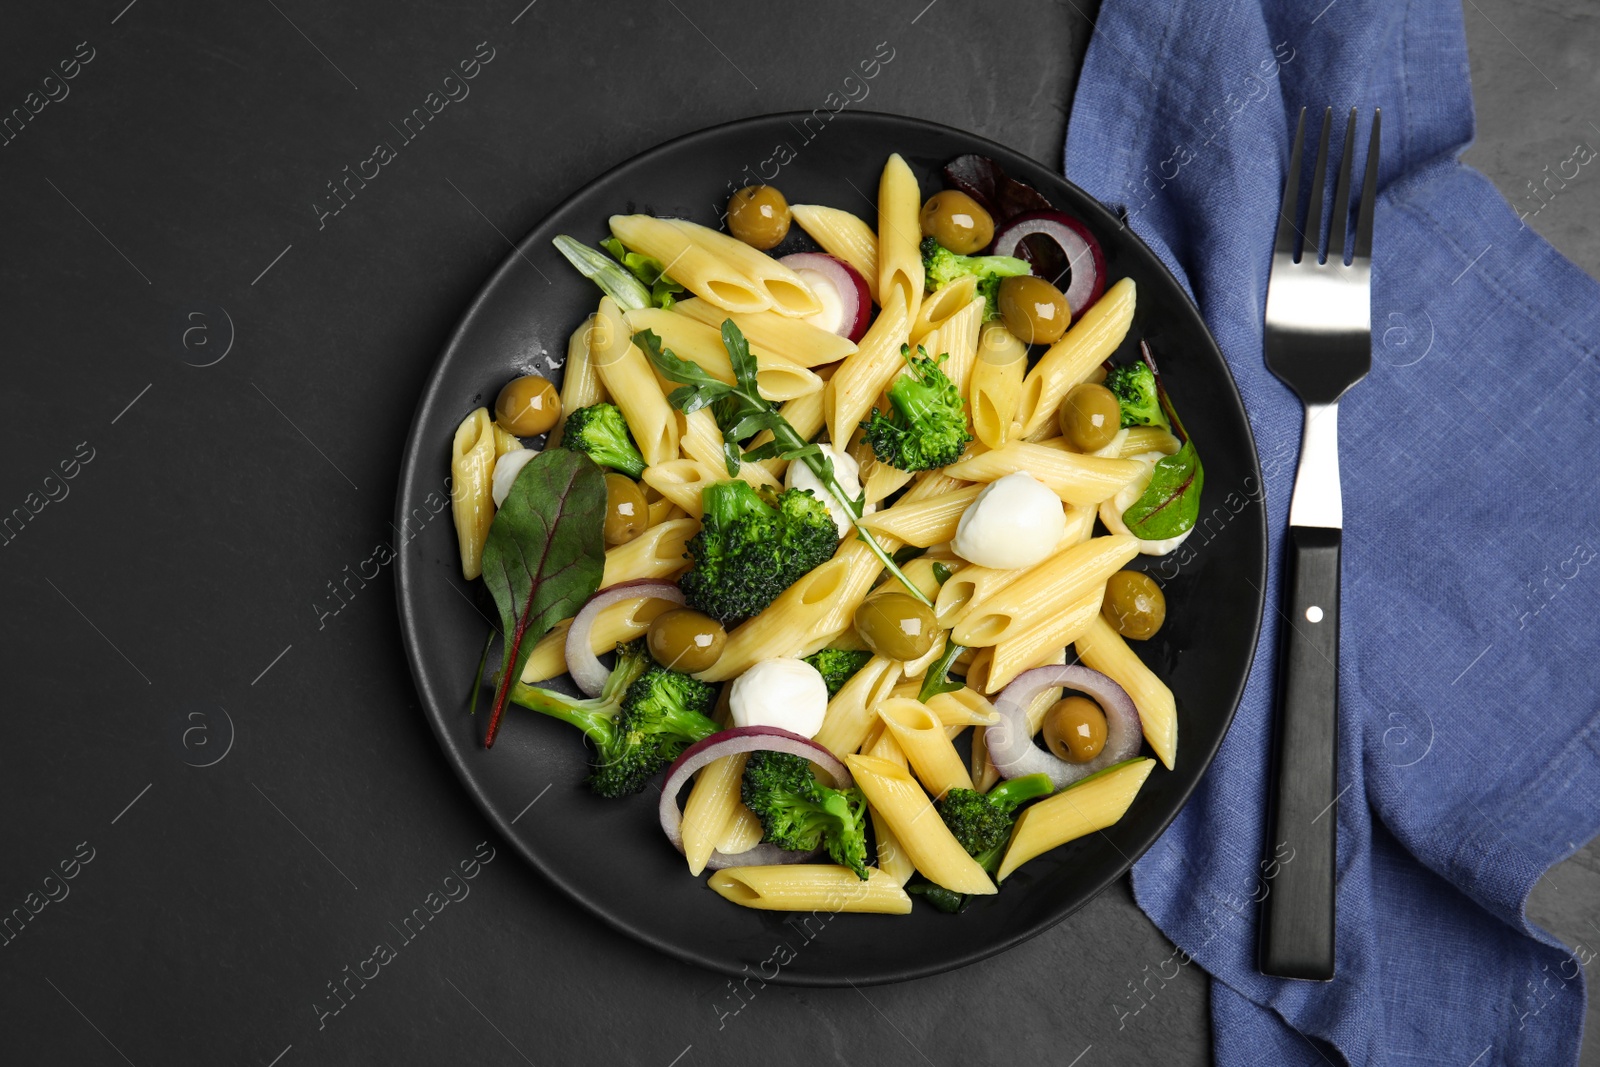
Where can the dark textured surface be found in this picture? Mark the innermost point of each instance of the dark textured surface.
(185, 568)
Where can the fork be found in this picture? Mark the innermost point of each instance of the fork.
(1319, 343)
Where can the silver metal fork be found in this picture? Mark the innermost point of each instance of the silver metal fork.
(1319, 343)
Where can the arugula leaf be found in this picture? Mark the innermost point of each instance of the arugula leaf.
(629, 293)
(1171, 502)
(544, 556)
(699, 388)
(649, 270)
(937, 679)
(941, 573)
(745, 403)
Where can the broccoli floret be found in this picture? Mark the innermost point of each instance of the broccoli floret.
(1134, 386)
(942, 266)
(601, 432)
(642, 720)
(929, 426)
(752, 546)
(838, 665)
(798, 812)
(981, 823)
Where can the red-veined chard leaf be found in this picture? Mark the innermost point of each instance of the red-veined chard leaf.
(544, 556)
(1171, 502)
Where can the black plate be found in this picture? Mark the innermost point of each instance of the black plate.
(610, 856)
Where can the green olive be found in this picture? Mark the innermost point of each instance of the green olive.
(1075, 729)
(957, 221)
(685, 640)
(527, 406)
(897, 625)
(759, 216)
(1090, 417)
(1134, 605)
(626, 512)
(1033, 309)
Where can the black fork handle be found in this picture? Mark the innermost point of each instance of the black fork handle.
(1297, 915)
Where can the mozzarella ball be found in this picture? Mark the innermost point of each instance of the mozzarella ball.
(786, 693)
(845, 469)
(1015, 522)
(506, 469)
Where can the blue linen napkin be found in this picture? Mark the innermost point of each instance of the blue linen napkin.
(1470, 657)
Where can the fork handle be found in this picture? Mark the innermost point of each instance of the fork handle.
(1297, 914)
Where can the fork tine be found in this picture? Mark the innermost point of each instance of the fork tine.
(1340, 218)
(1369, 193)
(1291, 192)
(1319, 171)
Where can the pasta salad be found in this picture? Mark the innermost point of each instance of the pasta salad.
(841, 518)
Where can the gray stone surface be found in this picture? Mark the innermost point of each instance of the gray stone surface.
(1537, 91)
(176, 578)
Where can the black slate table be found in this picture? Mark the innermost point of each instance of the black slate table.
(219, 793)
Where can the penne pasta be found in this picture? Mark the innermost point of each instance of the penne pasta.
(958, 339)
(1082, 808)
(921, 736)
(880, 480)
(818, 887)
(505, 442)
(963, 707)
(892, 858)
(658, 552)
(615, 625)
(932, 848)
(882, 744)
(978, 669)
(1062, 579)
(1035, 646)
(580, 382)
(850, 713)
(711, 804)
(795, 340)
(708, 276)
(701, 440)
(631, 381)
(939, 307)
(862, 568)
(681, 480)
(1080, 524)
(843, 236)
(776, 377)
(472, 456)
(742, 833)
(789, 294)
(994, 389)
(900, 274)
(1142, 440)
(1102, 649)
(1086, 344)
(1075, 478)
(781, 630)
(924, 522)
(857, 384)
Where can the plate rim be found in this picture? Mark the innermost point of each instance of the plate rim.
(411, 630)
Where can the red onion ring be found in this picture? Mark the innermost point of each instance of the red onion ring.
(855, 300)
(1010, 742)
(1083, 253)
(588, 673)
(742, 740)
